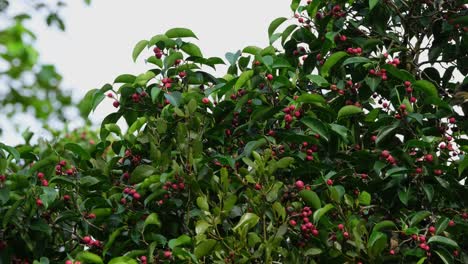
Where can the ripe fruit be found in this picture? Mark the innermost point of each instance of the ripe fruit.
(292, 222)
(68, 262)
(269, 77)
(258, 186)
(346, 235)
(182, 74)
(429, 158)
(44, 182)
(432, 229)
(205, 100)
(340, 226)
(39, 202)
(451, 223)
(300, 184)
(329, 182)
(167, 254)
(66, 197)
(136, 196)
(87, 240)
(40, 175)
(403, 107)
(392, 252)
(452, 120)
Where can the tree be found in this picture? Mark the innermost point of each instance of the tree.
(27, 83)
(337, 143)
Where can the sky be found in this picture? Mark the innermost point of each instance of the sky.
(99, 39)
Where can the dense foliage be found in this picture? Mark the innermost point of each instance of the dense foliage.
(338, 143)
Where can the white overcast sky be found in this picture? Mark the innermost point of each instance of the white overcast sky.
(99, 39)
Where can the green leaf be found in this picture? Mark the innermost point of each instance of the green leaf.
(275, 24)
(171, 59)
(78, 150)
(254, 50)
(88, 257)
(247, 220)
(311, 98)
(316, 126)
(180, 33)
(141, 172)
(243, 78)
(12, 151)
(373, 82)
(7, 216)
(112, 238)
(175, 98)
(152, 219)
(331, 61)
(429, 191)
(383, 225)
(4, 195)
(372, 4)
(311, 198)
(295, 4)
(356, 60)
(125, 78)
(426, 87)
(154, 93)
(123, 260)
(349, 110)
(313, 252)
(201, 227)
(182, 240)
(204, 248)
(404, 195)
(139, 48)
(443, 240)
(385, 132)
(144, 78)
(376, 243)
(272, 195)
(251, 146)
(318, 80)
(463, 165)
(418, 217)
(321, 212)
(445, 256)
(192, 49)
(202, 203)
(364, 198)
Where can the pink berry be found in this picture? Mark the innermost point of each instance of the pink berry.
(205, 100)
(300, 184)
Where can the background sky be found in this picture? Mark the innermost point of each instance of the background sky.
(99, 39)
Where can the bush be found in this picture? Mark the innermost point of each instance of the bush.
(335, 144)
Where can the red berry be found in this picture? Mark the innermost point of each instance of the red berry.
(91, 216)
(300, 184)
(346, 235)
(205, 100)
(167, 254)
(182, 74)
(66, 197)
(385, 154)
(373, 138)
(429, 158)
(310, 157)
(39, 202)
(292, 222)
(432, 229)
(87, 240)
(392, 252)
(44, 182)
(452, 120)
(269, 77)
(340, 226)
(315, 232)
(329, 182)
(136, 196)
(403, 107)
(288, 118)
(40, 175)
(451, 223)
(63, 163)
(407, 83)
(258, 186)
